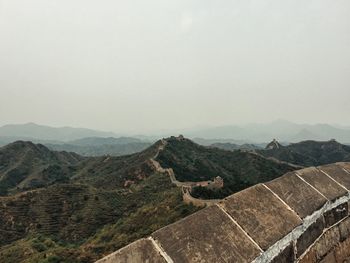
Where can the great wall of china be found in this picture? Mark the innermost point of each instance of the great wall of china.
(186, 186)
(302, 216)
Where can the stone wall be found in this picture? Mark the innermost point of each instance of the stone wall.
(189, 199)
(302, 216)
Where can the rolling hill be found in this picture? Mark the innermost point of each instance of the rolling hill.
(100, 146)
(239, 169)
(310, 153)
(233, 147)
(24, 165)
(40, 132)
(284, 130)
(104, 203)
(100, 206)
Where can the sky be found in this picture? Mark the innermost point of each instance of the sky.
(141, 66)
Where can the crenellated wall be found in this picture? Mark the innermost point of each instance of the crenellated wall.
(302, 216)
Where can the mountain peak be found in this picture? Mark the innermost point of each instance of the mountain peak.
(273, 145)
(21, 148)
(21, 144)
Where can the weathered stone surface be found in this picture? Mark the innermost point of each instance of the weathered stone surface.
(332, 247)
(207, 236)
(309, 236)
(302, 198)
(346, 166)
(141, 251)
(330, 258)
(286, 256)
(322, 183)
(342, 252)
(309, 257)
(327, 242)
(261, 214)
(322, 247)
(337, 173)
(336, 214)
(344, 229)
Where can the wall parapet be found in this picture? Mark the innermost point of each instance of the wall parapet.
(302, 216)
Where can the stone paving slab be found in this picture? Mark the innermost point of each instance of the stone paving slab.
(337, 173)
(300, 196)
(345, 165)
(206, 236)
(322, 183)
(261, 214)
(141, 251)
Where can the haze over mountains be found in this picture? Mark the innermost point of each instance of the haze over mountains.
(46, 133)
(282, 130)
(69, 208)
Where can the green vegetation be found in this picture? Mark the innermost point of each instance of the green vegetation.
(60, 207)
(90, 222)
(239, 169)
(311, 153)
(24, 165)
(101, 150)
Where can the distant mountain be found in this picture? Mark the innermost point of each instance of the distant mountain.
(208, 142)
(101, 150)
(10, 139)
(310, 153)
(233, 147)
(98, 141)
(40, 132)
(274, 145)
(283, 130)
(24, 165)
(98, 146)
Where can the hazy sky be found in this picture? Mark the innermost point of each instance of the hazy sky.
(158, 64)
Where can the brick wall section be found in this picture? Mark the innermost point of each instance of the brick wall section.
(302, 216)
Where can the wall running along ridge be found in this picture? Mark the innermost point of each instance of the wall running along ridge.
(302, 216)
(186, 186)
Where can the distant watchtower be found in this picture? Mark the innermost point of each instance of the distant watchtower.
(217, 183)
(273, 145)
(181, 137)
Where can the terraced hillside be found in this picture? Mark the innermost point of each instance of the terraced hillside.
(310, 153)
(24, 165)
(107, 202)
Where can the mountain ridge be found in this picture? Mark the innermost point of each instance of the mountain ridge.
(310, 153)
(106, 202)
(42, 132)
